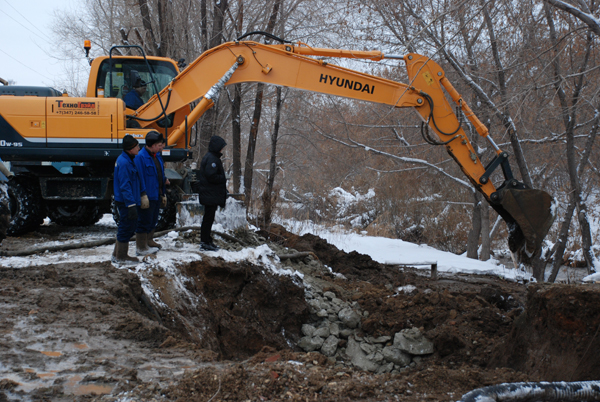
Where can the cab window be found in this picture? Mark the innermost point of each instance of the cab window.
(121, 75)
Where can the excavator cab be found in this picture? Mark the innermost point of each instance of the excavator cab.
(114, 76)
(118, 77)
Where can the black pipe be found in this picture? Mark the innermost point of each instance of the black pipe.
(536, 391)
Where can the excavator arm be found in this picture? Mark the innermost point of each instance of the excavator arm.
(527, 212)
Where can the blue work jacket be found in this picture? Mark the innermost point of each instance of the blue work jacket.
(133, 100)
(148, 175)
(127, 185)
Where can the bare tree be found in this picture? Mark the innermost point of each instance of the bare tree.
(269, 196)
(583, 13)
(249, 165)
(570, 112)
(236, 115)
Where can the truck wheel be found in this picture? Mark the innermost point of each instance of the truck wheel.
(26, 208)
(167, 216)
(74, 214)
(114, 210)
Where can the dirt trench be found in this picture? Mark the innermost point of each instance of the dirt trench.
(229, 331)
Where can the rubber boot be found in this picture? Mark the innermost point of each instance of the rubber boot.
(151, 242)
(120, 255)
(141, 242)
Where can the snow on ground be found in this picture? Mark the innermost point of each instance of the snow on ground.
(381, 249)
(395, 251)
(172, 255)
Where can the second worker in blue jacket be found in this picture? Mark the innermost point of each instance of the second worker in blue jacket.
(151, 169)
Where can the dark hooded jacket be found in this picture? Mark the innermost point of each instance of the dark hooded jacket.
(212, 183)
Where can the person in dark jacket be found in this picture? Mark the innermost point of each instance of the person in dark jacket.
(133, 99)
(211, 188)
(127, 190)
(151, 169)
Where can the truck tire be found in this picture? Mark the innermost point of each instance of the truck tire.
(167, 217)
(27, 210)
(74, 214)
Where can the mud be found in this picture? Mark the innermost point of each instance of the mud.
(208, 328)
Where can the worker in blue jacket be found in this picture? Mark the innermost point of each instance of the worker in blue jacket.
(133, 99)
(151, 169)
(128, 190)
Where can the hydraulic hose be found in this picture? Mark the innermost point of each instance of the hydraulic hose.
(163, 113)
(268, 35)
(536, 391)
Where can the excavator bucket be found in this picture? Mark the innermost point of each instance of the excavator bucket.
(532, 211)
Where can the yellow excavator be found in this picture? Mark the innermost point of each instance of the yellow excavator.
(40, 129)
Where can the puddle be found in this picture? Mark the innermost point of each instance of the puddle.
(51, 354)
(89, 389)
(72, 386)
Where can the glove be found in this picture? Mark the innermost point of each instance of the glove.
(145, 202)
(163, 201)
(132, 213)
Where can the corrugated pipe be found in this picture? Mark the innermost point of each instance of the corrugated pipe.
(536, 391)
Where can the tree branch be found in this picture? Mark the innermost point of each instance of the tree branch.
(592, 22)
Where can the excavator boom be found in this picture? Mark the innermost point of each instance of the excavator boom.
(527, 212)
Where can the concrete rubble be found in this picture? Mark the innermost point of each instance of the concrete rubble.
(335, 328)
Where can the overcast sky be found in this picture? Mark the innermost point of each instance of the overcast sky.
(27, 41)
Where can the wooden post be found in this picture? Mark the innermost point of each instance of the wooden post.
(434, 271)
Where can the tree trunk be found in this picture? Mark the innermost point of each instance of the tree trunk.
(473, 238)
(220, 10)
(586, 238)
(561, 242)
(167, 28)
(485, 231)
(249, 165)
(268, 196)
(207, 128)
(147, 23)
(204, 25)
(236, 116)
(236, 136)
(569, 115)
(506, 120)
(538, 266)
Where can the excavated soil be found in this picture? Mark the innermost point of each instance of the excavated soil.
(229, 331)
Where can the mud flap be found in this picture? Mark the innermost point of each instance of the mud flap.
(530, 210)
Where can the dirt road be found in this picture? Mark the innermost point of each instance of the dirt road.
(248, 325)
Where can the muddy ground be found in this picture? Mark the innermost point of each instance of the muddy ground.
(209, 328)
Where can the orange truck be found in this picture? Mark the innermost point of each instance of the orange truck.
(41, 128)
